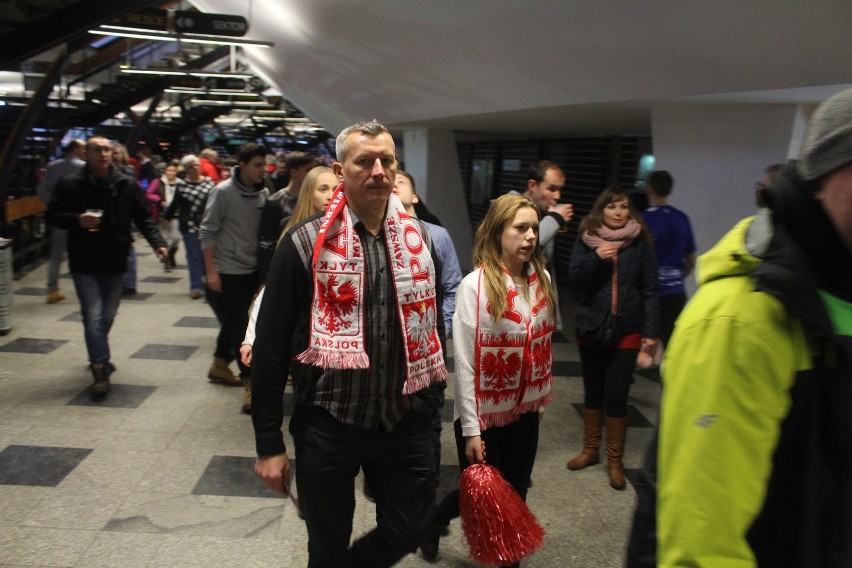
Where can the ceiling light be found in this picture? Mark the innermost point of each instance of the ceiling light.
(132, 29)
(220, 74)
(186, 38)
(217, 102)
(222, 92)
(135, 71)
(132, 35)
(232, 93)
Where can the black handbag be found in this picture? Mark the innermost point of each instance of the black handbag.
(601, 328)
(596, 327)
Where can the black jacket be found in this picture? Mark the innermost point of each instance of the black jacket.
(123, 203)
(590, 277)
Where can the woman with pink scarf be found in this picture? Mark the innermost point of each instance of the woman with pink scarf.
(613, 254)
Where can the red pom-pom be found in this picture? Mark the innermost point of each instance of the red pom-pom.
(499, 526)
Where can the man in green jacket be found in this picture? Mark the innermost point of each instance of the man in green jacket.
(755, 435)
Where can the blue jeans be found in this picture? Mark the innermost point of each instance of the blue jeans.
(130, 275)
(58, 246)
(194, 261)
(99, 296)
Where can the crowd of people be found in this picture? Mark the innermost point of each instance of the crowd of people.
(331, 276)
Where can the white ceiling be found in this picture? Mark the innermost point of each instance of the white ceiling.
(548, 67)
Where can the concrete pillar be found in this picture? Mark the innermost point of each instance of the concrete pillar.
(430, 156)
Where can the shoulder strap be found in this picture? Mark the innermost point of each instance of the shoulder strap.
(614, 307)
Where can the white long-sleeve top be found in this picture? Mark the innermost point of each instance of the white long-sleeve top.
(255, 309)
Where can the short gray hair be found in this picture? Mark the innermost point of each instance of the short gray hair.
(188, 159)
(370, 128)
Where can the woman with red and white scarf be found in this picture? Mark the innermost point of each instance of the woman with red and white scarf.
(614, 244)
(502, 328)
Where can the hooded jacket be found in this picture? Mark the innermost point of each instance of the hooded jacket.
(755, 433)
(230, 224)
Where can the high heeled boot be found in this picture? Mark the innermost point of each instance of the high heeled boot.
(616, 432)
(590, 454)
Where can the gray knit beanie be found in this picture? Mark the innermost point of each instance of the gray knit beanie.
(828, 142)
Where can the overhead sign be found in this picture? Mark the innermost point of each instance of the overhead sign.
(145, 18)
(210, 24)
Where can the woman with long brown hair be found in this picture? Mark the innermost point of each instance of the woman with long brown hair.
(613, 254)
(502, 327)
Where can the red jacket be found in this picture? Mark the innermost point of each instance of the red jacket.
(210, 170)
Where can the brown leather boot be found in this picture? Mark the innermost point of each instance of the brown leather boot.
(590, 454)
(616, 432)
(220, 373)
(101, 385)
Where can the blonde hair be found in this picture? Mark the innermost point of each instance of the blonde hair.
(122, 149)
(305, 204)
(488, 251)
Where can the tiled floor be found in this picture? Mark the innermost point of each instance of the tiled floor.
(159, 473)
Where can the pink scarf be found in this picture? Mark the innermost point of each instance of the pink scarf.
(513, 355)
(337, 315)
(623, 236)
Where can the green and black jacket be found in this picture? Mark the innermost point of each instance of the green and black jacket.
(755, 435)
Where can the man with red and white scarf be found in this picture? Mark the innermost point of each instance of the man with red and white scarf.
(352, 309)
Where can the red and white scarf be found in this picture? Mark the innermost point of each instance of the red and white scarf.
(513, 355)
(337, 315)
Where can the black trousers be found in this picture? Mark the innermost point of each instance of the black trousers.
(238, 291)
(606, 378)
(511, 449)
(642, 545)
(399, 467)
(670, 308)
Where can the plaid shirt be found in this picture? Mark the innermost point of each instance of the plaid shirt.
(372, 398)
(188, 204)
(368, 398)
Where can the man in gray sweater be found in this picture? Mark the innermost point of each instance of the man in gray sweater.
(229, 244)
(70, 164)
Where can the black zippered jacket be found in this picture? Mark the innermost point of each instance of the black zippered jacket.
(123, 203)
